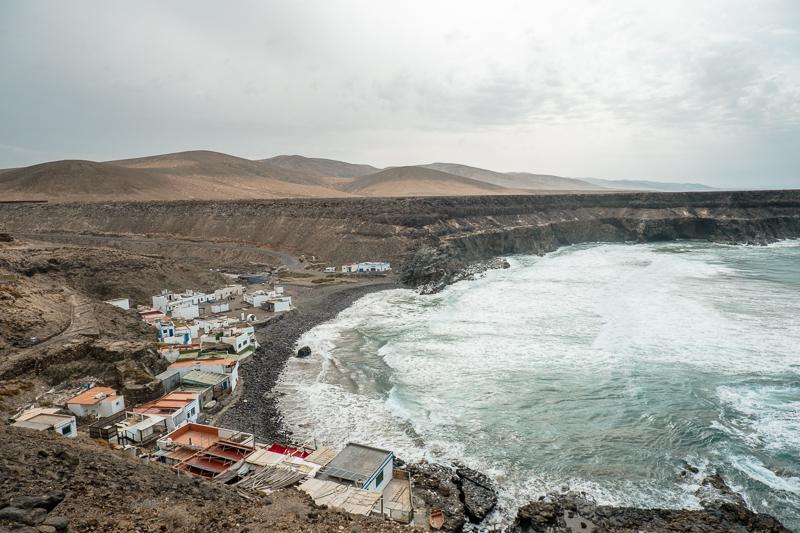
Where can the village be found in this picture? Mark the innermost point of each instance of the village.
(205, 337)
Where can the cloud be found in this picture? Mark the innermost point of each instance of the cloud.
(581, 87)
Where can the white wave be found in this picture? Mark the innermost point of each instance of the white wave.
(756, 470)
(514, 373)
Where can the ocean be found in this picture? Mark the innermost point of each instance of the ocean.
(607, 367)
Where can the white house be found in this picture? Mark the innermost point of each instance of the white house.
(371, 266)
(329, 270)
(99, 402)
(365, 467)
(240, 341)
(230, 291)
(166, 302)
(42, 419)
(186, 311)
(279, 304)
(138, 427)
(258, 297)
(220, 307)
(122, 303)
(350, 268)
(166, 330)
(229, 367)
(177, 408)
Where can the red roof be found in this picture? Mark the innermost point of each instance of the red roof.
(203, 362)
(90, 396)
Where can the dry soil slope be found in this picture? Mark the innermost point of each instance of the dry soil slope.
(517, 180)
(74, 180)
(418, 181)
(250, 179)
(320, 167)
(182, 176)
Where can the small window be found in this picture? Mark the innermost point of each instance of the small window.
(379, 479)
(67, 430)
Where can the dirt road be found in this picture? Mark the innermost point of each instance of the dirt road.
(291, 262)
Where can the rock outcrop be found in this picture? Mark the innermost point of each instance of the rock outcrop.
(461, 493)
(570, 512)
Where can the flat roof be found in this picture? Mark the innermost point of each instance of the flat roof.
(49, 419)
(356, 462)
(195, 435)
(206, 378)
(203, 362)
(32, 425)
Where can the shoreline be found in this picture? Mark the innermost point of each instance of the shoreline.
(255, 409)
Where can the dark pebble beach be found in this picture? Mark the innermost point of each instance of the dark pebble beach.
(254, 409)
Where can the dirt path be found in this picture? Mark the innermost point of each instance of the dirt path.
(83, 322)
(291, 262)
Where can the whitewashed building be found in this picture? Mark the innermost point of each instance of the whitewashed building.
(122, 303)
(230, 291)
(371, 266)
(42, 419)
(99, 402)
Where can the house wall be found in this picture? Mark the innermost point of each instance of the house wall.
(186, 312)
(112, 407)
(220, 308)
(377, 482)
(279, 305)
(122, 303)
(230, 290)
(68, 427)
(78, 409)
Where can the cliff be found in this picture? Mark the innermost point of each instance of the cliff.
(429, 240)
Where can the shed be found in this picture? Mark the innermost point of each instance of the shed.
(367, 467)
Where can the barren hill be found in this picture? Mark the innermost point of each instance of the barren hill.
(81, 180)
(206, 175)
(224, 169)
(418, 181)
(516, 180)
(320, 167)
(525, 180)
(187, 175)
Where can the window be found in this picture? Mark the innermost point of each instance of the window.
(66, 430)
(379, 479)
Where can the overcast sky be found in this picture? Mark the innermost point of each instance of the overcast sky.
(701, 91)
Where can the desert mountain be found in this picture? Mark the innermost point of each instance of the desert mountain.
(74, 180)
(181, 176)
(524, 180)
(644, 185)
(517, 180)
(320, 167)
(419, 181)
(204, 175)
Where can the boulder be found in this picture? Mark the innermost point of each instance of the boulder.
(15, 514)
(47, 501)
(479, 495)
(305, 351)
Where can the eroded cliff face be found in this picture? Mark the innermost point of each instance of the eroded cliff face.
(429, 240)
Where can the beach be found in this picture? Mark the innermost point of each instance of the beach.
(253, 407)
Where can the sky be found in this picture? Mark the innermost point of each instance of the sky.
(663, 90)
